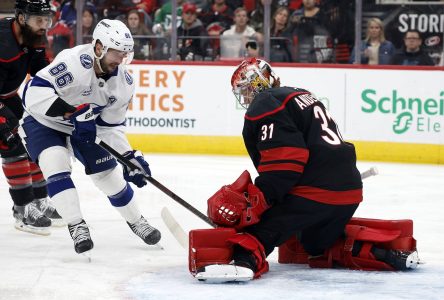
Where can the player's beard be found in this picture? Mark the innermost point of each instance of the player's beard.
(32, 38)
(107, 68)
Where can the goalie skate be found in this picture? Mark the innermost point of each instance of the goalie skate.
(224, 273)
(29, 219)
(402, 260)
(48, 209)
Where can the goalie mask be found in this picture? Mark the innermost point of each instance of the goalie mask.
(113, 34)
(250, 78)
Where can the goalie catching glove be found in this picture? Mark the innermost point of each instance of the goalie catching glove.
(136, 176)
(237, 205)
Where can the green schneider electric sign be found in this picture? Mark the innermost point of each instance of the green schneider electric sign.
(409, 113)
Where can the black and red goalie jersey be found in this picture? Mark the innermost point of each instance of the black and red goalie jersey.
(297, 149)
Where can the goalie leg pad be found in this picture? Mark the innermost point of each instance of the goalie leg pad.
(209, 247)
(251, 244)
(389, 235)
(384, 234)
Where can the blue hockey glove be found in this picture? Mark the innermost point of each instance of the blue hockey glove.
(84, 124)
(138, 176)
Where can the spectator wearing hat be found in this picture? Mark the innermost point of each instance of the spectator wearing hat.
(190, 46)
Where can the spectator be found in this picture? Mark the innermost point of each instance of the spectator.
(217, 12)
(375, 49)
(142, 46)
(163, 19)
(88, 24)
(59, 36)
(68, 13)
(412, 53)
(147, 6)
(257, 15)
(190, 46)
(234, 39)
(311, 37)
(162, 28)
(280, 43)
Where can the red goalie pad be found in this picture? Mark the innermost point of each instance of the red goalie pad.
(215, 246)
(208, 247)
(387, 234)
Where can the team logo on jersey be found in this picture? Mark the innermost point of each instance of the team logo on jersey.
(87, 92)
(86, 61)
(128, 78)
(112, 99)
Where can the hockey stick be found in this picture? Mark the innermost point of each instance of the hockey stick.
(123, 160)
(182, 237)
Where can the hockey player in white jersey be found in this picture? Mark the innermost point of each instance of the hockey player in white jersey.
(82, 94)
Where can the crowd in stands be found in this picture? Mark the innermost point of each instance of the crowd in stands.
(305, 31)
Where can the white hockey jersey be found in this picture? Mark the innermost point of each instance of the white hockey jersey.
(71, 77)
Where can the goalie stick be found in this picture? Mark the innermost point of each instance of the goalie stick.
(182, 237)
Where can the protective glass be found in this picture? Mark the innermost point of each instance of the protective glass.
(39, 21)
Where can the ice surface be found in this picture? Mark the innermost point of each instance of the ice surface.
(123, 267)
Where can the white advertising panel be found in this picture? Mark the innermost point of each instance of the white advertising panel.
(189, 100)
(395, 106)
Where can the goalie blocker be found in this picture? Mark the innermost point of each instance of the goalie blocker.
(370, 244)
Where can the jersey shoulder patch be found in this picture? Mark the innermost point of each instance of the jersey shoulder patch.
(86, 61)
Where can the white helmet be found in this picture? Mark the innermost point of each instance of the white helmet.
(251, 77)
(113, 34)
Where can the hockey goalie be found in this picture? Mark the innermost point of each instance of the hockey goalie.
(303, 199)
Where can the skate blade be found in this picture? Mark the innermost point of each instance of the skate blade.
(57, 223)
(87, 255)
(413, 261)
(31, 229)
(224, 274)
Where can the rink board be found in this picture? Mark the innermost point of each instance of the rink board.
(370, 151)
(390, 114)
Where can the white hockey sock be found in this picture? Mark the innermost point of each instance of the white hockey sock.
(68, 206)
(130, 212)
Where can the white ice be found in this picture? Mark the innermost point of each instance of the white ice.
(122, 267)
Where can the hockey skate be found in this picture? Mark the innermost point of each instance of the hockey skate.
(145, 231)
(402, 260)
(48, 209)
(224, 273)
(29, 219)
(82, 240)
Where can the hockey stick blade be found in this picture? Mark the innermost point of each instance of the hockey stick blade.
(174, 227)
(373, 171)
